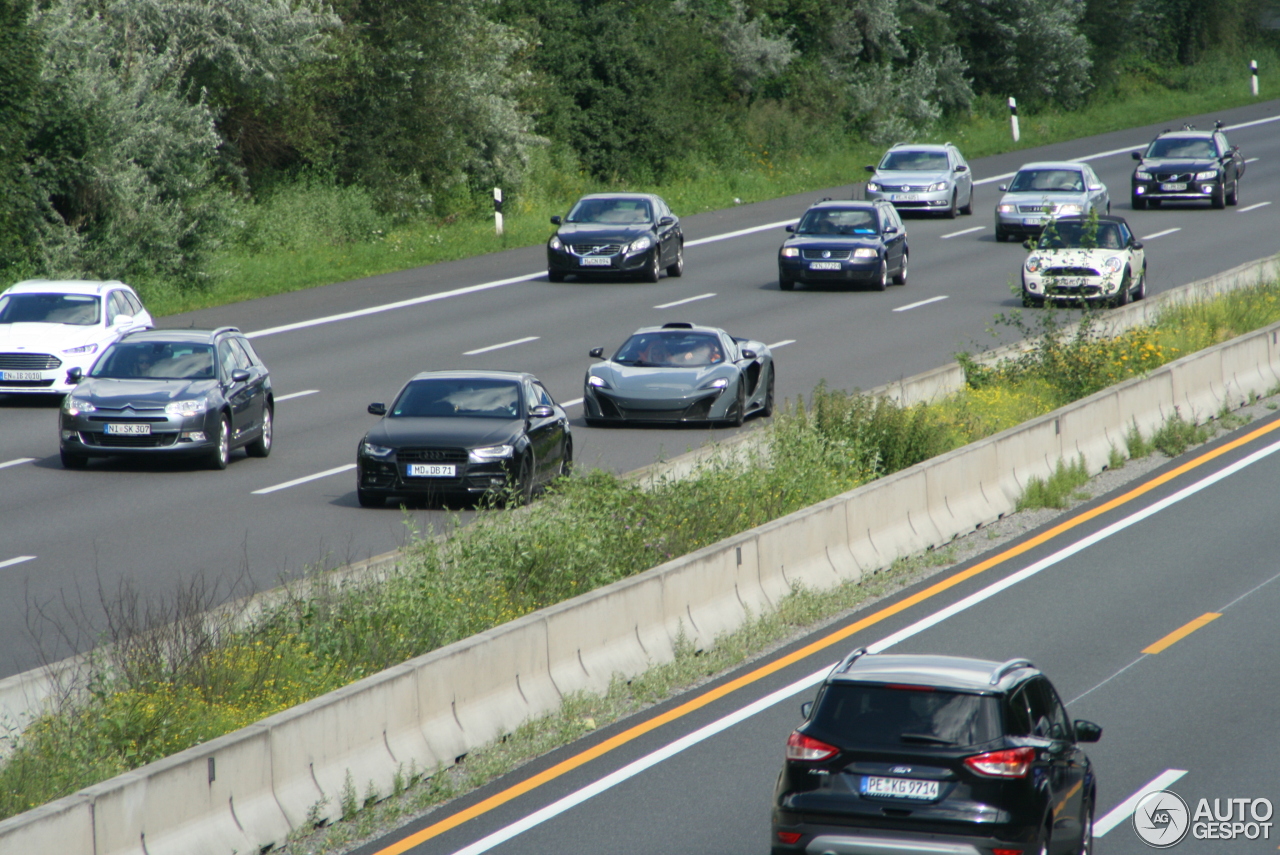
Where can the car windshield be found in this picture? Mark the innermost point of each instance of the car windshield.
(156, 360)
(838, 221)
(1181, 147)
(450, 397)
(914, 161)
(1048, 181)
(613, 212)
(78, 310)
(1072, 235)
(873, 715)
(671, 350)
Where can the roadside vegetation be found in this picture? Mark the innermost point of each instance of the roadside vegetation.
(168, 676)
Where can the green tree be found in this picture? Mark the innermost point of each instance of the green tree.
(19, 80)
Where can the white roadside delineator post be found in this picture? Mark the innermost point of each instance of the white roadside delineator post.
(1013, 117)
(1253, 74)
(497, 210)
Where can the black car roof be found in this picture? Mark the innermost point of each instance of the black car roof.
(189, 335)
(943, 672)
(472, 373)
(867, 204)
(1102, 218)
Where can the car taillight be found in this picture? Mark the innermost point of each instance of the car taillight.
(1011, 763)
(801, 747)
(792, 837)
(1006, 852)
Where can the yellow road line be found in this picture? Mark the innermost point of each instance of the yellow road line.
(632, 733)
(1182, 632)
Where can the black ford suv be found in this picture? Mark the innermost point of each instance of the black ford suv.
(1188, 166)
(939, 754)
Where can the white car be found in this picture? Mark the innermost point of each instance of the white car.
(49, 327)
(1068, 264)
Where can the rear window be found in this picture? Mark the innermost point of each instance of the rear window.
(857, 715)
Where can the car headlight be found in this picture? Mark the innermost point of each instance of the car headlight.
(369, 449)
(1113, 264)
(1034, 263)
(84, 348)
(1070, 210)
(718, 383)
(186, 408)
(598, 382)
(640, 244)
(76, 406)
(1207, 176)
(866, 252)
(1007, 209)
(489, 453)
(873, 187)
(941, 185)
(555, 243)
(790, 252)
(1142, 176)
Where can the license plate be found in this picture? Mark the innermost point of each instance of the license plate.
(431, 470)
(902, 788)
(907, 197)
(129, 430)
(1173, 188)
(1033, 221)
(824, 265)
(595, 262)
(19, 376)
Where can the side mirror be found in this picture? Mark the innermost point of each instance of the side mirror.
(541, 411)
(377, 409)
(75, 375)
(870, 169)
(791, 229)
(1027, 244)
(749, 354)
(239, 375)
(1137, 244)
(1137, 155)
(1096, 187)
(1003, 188)
(596, 353)
(1087, 731)
(891, 230)
(806, 708)
(962, 168)
(555, 221)
(666, 221)
(121, 320)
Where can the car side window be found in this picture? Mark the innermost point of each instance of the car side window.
(544, 397)
(134, 304)
(240, 354)
(227, 359)
(1017, 716)
(115, 306)
(1048, 718)
(1126, 235)
(248, 348)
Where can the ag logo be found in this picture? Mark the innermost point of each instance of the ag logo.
(1161, 818)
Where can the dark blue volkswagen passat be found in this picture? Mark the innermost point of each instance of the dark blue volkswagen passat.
(464, 434)
(617, 234)
(848, 243)
(170, 392)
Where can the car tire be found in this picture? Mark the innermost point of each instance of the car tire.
(1001, 235)
(739, 412)
(555, 276)
(370, 500)
(1233, 198)
(1108, 207)
(261, 447)
(1086, 832)
(1032, 302)
(566, 460)
(1218, 199)
(677, 269)
(652, 270)
(968, 206)
(1122, 296)
(785, 283)
(1139, 204)
(220, 456)
(900, 278)
(521, 490)
(72, 461)
(1153, 203)
(1141, 292)
(767, 409)
(594, 422)
(953, 210)
(882, 281)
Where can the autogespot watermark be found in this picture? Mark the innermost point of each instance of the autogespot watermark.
(1162, 819)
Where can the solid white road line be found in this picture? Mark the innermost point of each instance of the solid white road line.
(740, 232)
(16, 462)
(686, 300)
(1122, 811)
(631, 770)
(921, 303)
(18, 560)
(575, 402)
(337, 470)
(1253, 207)
(783, 343)
(963, 232)
(1161, 234)
(511, 343)
(296, 395)
(1251, 160)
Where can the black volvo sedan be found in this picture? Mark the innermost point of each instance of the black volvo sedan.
(845, 242)
(616, 234)
(464, 434)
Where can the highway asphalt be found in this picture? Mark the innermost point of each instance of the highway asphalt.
(1151, 608)
(332, 350)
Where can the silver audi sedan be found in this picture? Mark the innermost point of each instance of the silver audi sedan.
(1047, 190)
(929, 178)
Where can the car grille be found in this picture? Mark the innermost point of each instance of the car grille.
(432, 455)
(29, 361)
(824, 254)
(1172, 176)
(130, 419)
(1035, 209)
(154, 440)
(594, 248)
(1071, 271)
(26, 384)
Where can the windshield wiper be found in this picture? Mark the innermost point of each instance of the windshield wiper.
(925, 737)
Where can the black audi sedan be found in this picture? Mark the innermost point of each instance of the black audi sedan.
(942, 754)
(189, 392)
(464, 434)
(616, 234)
(1188, 166)
(847, 243)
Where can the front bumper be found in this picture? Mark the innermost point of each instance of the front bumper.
(32, 380)
(932, 200)
(89, 434)
(1177, 190)
(1071, 289)
(862, 270)
(618, 264)
(389, 477)
(608, 405)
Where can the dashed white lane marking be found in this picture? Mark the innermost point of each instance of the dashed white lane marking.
(511, 343)
(575, 402)
(783, 343)
(963, 232)
(921, 303)
(1251, 160)
(337, 470)
(1124, 810)
(296, 395)
(1161, 234)
(1253, 207)
(740, 232)
(706, 296)
(18, 560)
(16, 462)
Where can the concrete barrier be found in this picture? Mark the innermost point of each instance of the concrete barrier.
(246, 789)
